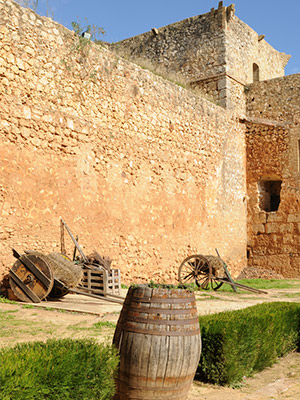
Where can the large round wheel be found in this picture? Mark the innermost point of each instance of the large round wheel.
(193, 269)
(31, 278)
(196, 269)
(214, 283)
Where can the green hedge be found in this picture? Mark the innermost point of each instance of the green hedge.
(238, 343)
(58, 369)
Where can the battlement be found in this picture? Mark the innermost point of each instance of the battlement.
(222, 15)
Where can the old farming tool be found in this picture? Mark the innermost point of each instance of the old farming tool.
(31, 278)
(208, 272)
(92, 261)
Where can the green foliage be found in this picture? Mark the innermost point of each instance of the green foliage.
(238, 343)
(95, 31)
(263, 284)
(271, 283)
(104, 324)
(58, 369)
(5, 300)
(163, 285)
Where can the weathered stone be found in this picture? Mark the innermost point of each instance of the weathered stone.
(179, 186)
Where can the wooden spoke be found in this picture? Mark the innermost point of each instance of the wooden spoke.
(192, 269)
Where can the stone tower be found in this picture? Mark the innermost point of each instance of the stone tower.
(215, 52)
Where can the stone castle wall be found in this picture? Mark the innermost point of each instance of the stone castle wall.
(194, 47)
(143, 170)
(273, 154)
(213, 52)
(244, 47)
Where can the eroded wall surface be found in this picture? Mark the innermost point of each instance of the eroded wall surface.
(273, 154)
(143, 170)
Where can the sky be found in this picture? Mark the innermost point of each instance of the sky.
(278, 20)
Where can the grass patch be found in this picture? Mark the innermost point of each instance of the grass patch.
(271, 283)
(205, 297)
(263, 284)
(104, 324)
(290, 295)
(58, 369)
(239, 343)
(15, 327)
(6, 301)
(97, 327)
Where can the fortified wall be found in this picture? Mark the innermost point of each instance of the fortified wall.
(273, 174)
(216, 53)
(222, 57)
(144, 171)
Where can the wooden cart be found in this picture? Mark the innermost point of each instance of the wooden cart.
(198, 269)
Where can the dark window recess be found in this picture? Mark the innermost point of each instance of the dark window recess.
(255, 73)
(269, 195)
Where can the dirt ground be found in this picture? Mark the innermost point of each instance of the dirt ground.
(80, 316)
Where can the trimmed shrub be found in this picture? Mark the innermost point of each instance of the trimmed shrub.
(237, 343)
(58, 369)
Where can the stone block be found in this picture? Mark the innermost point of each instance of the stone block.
(260, 218)
(274, 217)
(293, 218)
(272, 227)
(258, 228)
(295, 266)
(287, 238)
(286, 228)
(279, 263)
(222, 83)
(223, 93)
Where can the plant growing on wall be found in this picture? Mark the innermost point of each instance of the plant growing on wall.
(94, 31)
(77, 61)
(85, 35)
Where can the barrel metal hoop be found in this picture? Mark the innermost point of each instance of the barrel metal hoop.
(123, 379)
(125, 374)
(160, 333)
(162, 321)
(165, 311)
(160, 300)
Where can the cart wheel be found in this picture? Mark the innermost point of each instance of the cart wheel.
(196, 269)
(193, 269)
(214, 284)
(31, 278)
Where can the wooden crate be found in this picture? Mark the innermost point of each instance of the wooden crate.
(101, 282)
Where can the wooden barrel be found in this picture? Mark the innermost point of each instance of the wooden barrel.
(158, 339)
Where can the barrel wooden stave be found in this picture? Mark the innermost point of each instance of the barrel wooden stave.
(160, 365)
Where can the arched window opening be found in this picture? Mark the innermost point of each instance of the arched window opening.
(269, 195)
(255, 73)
